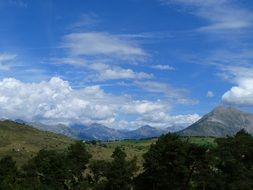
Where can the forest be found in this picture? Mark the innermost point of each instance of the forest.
(171, 162)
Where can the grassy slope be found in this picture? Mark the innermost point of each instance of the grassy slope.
(104, 150)
(137, 148)
(22, 142)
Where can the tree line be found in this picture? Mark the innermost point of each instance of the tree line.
(171, 163)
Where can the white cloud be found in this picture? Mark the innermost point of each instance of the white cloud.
(234, 73)
(241, 76)
(220, 14)
(163, 120)
(209, 94)
(5, 58)
(143, 107)
(106, 72)
(4, 67)
(86, 20)
(159, 87)
(119, 73)
(102, 53)
(52, 101)
(176, 95)
(163, 67)
(242, 94)
(55, 101)
(102, 44)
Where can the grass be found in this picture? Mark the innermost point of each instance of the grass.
(23, 142)
(104, 150)
(133, 148)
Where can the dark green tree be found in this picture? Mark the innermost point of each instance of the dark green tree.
(51, 169)
(47, 170)
(171, 163)
(97, 178)
(115, 175)
(8, 174)
(234, 163)
(121, 171)
(77, 159)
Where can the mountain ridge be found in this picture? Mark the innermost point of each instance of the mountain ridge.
(96, 131)
(220, 122)
(23, 142)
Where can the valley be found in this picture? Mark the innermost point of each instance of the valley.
(23, 142)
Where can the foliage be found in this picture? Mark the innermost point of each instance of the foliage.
(115, 175)
(234, 163)
(8, 174)
(175, 164)
(171, 162)
(22, 142)
(57, 170)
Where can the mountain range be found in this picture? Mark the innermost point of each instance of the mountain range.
(220, 122)
(97, 131)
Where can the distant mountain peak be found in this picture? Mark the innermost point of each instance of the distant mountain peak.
(96, 131)
(223, 108)
(146, 127)
(221, 121)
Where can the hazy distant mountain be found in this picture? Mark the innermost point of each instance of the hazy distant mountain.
(220, 122)
(97, 131)
(174, 129)
(143, 132)
(100, 132)
(59, 128)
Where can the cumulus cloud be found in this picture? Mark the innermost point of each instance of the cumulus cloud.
(242, 94)
(55, 101)
(163, 120)
(143, 107)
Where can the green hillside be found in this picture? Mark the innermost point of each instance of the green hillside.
(22, 142)
(104, 150)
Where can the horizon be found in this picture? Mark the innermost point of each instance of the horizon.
(180, 127)
(124, 64)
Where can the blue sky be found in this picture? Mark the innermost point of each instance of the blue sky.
(124, 63)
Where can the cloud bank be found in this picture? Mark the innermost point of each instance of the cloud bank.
(55, 101)
(242, 94)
